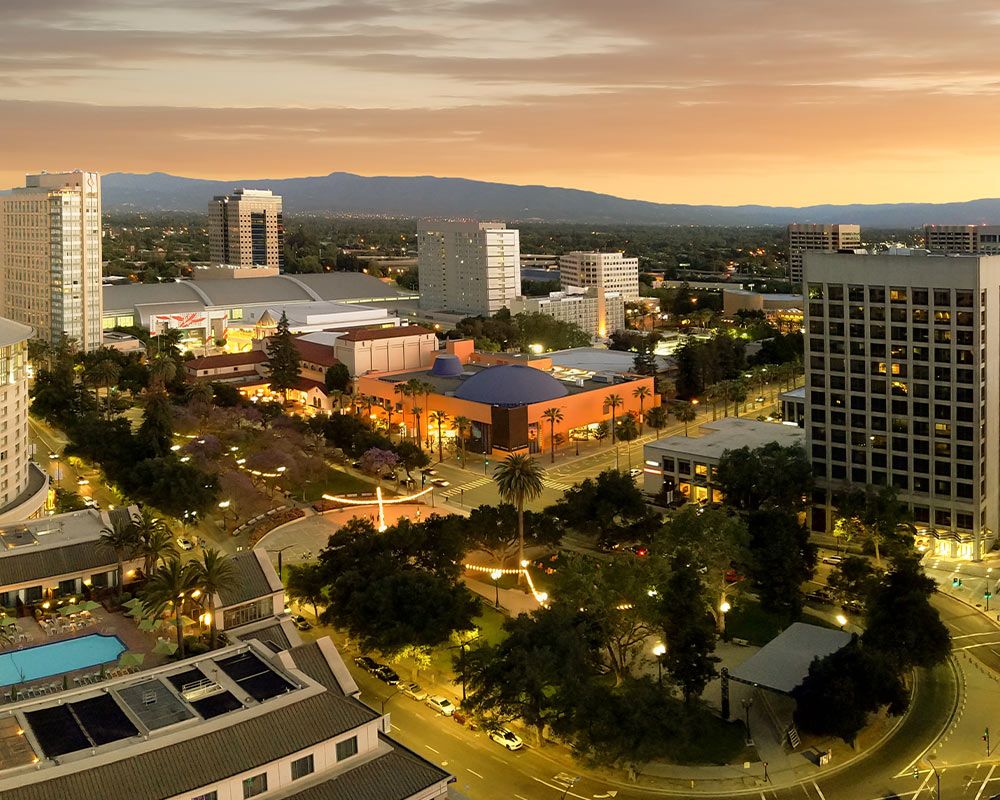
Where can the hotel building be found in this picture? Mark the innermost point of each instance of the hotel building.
(50, 256)
(810, 238)
(962, 238)
(245, 229)
(468, 267)
(612, 272)
(899, 350)
(593, 310)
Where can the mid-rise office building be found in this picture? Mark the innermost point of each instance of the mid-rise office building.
(983, 239)
(245, 229)
(468, 267)
(612, 272)
(595, 311)
(812, 238)
(899, 350)
(50, 256)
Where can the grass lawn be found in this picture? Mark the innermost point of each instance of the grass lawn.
(489, 623)
(749, 621)
(336, 482)
(710, 740)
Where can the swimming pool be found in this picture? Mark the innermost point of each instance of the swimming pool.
(55, 658)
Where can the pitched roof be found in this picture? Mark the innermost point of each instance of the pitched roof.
(366, 334)
(31, 564)
(273, 633)
(227, 360)
(249, 580)
(314, 352)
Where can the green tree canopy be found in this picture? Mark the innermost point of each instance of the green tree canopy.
(771, 476)
(282, 358)
(688, 627)
(781, 559)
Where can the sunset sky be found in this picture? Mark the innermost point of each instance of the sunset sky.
(688, 101)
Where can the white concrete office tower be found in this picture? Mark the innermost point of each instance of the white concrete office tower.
(594, 311)
(899, 351)
(612, 272)
(468, 267)
(804, 239)
(983, 239)
(50, 256)
(245, 229)
(23, 486)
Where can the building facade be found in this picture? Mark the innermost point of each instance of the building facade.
(23, 486)
(245, 229)
(983, 239)
(468, 267)
(809, 238)
(899, 351)
(593, 310)
(50, 256)
(612, 272)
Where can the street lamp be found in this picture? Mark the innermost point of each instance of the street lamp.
(659, 650)
(724, 607)
(747, 703)
(279, 551)
(224, 507)
(841, 620)
(496, 575)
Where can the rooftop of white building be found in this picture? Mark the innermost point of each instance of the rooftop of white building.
(730, 433)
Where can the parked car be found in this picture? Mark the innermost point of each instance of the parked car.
(506, 738)
(367, 664)
(90, 502)
(184, 543)
(440, 704)
(833, 560)
(821, 596)
(81, 481)
(638, 550)
(413, 691)
(386, 674)
(301, 622)
(635, 472)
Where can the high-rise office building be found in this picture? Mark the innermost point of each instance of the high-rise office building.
(810, 238)
(594, 311)
(899, 350)
(962, 238)
(50, 256)
(468, 267)
(245, 229)
(612, 272)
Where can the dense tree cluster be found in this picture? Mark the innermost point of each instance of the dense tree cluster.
(503, 331)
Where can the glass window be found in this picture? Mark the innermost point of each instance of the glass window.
(255, 786)
(347, 748)
(302, 767)
(877, 314)
(815, 291)
(963, 298)
(918, 297)
(876, 294)
(942, 297)
(207, 796)
(897, 294)
(835, 292)
(856, 294)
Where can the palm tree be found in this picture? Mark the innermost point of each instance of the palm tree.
(403, 390)
(168, 587)
(613, 402)
(713, 394)
(463, 426)
(162, 370)
(519, 479)
(738, 394)
(417, 411)
(122, 539)
(641, 392)
(553, 415)
(657, 418)
(415, 388)
(684, 412)
(155, 541)
(215, 573)
(104, 373)
(439, 418)
(628, 430)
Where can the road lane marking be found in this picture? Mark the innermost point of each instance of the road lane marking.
(432, 749)
(475, 773)
(969, 635)
(819, 791)
(563, 789)
(989, 776)
(519, 797)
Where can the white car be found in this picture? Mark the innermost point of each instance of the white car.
(507, 739)
(833, 560)
(184, 543)
(635, 472)
(441, 483)
(441, 704)
(413, 691)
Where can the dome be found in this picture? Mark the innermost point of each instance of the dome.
(510, 385)
(447, 366)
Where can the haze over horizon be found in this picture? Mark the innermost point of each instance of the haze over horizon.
(701, 102)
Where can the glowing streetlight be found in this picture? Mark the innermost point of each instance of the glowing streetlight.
(724, 607)
(841, 620)
(659, 650)
(496, 575)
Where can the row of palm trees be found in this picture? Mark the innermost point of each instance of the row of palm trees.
(172, 584)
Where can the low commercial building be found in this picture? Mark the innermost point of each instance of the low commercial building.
(59, 556)
(255, 593)
(784, 311)
(364, 350)
(685, 467)
(594, 311)
(240, 368)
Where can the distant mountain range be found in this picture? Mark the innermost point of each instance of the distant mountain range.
(425, 196)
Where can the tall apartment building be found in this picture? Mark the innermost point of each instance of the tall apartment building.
(811, 238)
(962, 238)
(595, 311)
(245, 229)
(899, 350)
(50, 256)
(612, 272)
(468, 267)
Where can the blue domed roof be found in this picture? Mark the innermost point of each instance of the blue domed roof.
(510, 385)
(447, 366)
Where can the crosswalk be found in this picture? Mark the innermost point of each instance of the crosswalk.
(559, 486)
(455, 491)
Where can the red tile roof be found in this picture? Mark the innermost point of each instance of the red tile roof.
(367, 334)
(227, 360)
(315, 353)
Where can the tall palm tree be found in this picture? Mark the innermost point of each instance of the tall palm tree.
(162, 370)
(713, 394)
(414, 388)
(155, 541)
(104, 373)
(403, 390)
(657, 417)
(519, 479)
(123, 540)
(628, 430)
(168, 588)
(553, 415)
(463, 426)
(439, 418)
(684, 412)
(417, 411)
(641, 393)
(613, 402)
(214, 573)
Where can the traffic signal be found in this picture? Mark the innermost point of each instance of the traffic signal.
(986, 735)
(916, 772)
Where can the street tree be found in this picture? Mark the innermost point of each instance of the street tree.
(168, 589)
(282, 358)
(463, 427)
(379, 463)
(657, 418)
(612, 403)
(853, 580)
(688, 627)
(439, 418)
(628, 432)
(875, 515)
(641, 393)
(493, 529)
(610, 506)
(684, 412)
(781, 559)
(103, 374)
(553, 415)
(771, 476)
(306, 583)
(519, 481)
(155, 542)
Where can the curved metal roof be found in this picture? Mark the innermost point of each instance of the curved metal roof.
(511, 385)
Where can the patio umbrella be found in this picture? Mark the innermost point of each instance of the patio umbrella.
(90, 605)
(135, 602)
(149, 625)
(72, 608)
(131, 659)
(136, 612)
(5, 620)
(186, 620)
(165, 647)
